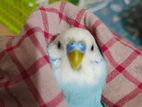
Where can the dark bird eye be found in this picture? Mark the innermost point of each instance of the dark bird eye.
(92, 48)
(59, 45)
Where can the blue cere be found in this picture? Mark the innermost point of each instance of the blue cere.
(78, 46)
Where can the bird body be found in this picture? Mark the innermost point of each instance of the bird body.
(78, 67)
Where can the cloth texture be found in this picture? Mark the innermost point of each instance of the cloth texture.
(25, 72)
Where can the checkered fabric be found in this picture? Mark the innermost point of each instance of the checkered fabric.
(25, 72)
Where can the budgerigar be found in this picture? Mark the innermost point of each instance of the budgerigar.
(78, 67)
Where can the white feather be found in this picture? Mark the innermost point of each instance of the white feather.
(92, 65)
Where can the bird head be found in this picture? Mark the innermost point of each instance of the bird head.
(74, 55)
(74, 45)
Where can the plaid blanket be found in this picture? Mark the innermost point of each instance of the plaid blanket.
(25, 72)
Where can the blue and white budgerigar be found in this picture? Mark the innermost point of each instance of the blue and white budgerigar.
(78, 67)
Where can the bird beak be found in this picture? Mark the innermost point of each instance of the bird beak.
(75, 58)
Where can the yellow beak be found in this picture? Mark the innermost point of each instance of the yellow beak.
(75, 58)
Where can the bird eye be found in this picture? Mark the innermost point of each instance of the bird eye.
(59, 45)
(92, 48)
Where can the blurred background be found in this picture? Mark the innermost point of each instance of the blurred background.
(121, 16)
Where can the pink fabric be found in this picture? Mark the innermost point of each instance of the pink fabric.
(25, 73)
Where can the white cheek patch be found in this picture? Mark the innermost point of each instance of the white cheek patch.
(53, 51)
